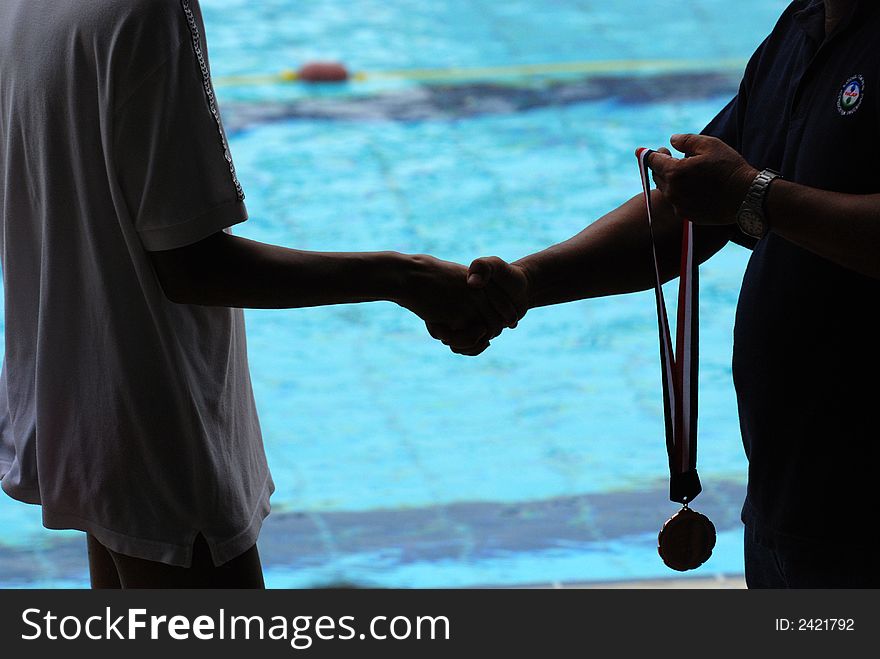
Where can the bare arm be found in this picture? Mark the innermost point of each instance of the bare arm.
(613, 255)
(230, 271)
(843, 228)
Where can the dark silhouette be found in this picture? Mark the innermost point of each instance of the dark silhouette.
(806, 349)
(126, 408)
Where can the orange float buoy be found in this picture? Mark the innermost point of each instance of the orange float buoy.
(322, 72)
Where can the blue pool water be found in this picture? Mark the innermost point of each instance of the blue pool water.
(400, 464)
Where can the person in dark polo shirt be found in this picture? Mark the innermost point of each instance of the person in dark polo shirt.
(789, 168)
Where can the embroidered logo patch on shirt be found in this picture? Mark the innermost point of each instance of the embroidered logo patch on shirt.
(851, 94)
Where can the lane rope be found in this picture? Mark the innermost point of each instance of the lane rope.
(467, 74)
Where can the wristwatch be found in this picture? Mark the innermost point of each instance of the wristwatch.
(750, 217)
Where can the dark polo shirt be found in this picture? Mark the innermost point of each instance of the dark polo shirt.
(806, 361)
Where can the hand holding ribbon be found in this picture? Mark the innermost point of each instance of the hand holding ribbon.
(687, 539)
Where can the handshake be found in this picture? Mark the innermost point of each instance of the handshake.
(465, 308)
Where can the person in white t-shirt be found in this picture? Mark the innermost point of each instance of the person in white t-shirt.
(126, 408)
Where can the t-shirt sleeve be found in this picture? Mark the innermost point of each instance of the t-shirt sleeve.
(727, 126)
(173, 162)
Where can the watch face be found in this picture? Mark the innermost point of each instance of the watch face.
(750, 222)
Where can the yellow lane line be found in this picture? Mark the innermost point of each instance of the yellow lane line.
(595, 67)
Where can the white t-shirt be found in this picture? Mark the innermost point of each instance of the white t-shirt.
(122, 413)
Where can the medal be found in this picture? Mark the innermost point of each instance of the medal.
(687, 538)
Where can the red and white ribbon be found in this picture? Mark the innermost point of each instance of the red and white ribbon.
(679, 367)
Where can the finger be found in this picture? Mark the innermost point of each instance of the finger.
(690, 144)
(461, 339)
(494, 321)
(660, 182)
(466, 345)
(440, 332)
(659, 179)
(502, 304)
(473, 351)
(480, 272)
(660, 163)
(468, 336)
(510, 280)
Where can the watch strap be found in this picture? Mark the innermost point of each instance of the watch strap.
(751, 217)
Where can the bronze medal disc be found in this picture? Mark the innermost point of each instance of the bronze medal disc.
(686, 540)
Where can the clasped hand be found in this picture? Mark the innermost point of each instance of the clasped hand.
(465, 308)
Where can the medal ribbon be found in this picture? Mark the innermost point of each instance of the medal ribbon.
(679, 368)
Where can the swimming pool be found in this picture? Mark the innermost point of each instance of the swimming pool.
(399, 464)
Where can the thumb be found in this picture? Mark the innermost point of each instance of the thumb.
(690, 144)
(479, 273)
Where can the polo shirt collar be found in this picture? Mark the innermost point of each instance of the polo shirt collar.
(812, 17)
(812, 20)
